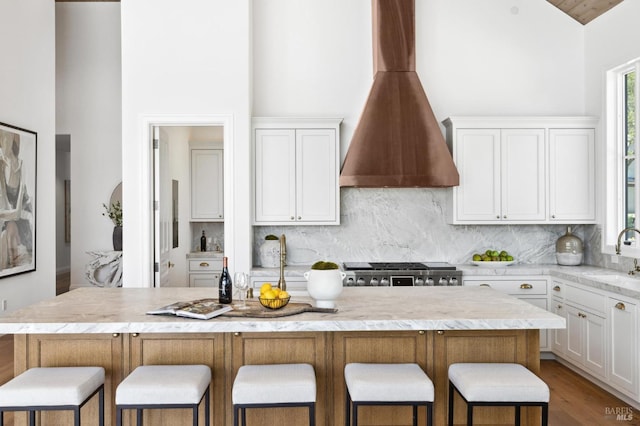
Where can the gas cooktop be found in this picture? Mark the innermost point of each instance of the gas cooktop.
(398, 266)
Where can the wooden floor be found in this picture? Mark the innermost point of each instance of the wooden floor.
(574, 400)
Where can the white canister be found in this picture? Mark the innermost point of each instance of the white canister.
(270, 254)
(324, 286)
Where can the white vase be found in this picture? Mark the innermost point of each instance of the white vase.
(324, 286)
(270, 254)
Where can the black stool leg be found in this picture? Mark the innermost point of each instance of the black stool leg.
(139, 417)
(415, 415)
(243, 410)
(469, 414)
(32, 418)
(517, 423)
(76, 416)
(429, 419)
(347, 408)
(236, 413)
(450, 404)
(355, 414)
(118, 416)
(545, 415)
(100, 406)
(1, 418)
(195, 415)
(206, 405)
(312, 414)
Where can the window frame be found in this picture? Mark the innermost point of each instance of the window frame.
(615, 149)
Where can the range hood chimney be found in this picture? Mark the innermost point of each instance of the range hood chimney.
(398, 142)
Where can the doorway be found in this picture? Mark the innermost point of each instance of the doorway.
(63, 213)
(177, 230)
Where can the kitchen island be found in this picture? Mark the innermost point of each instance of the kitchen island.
(432, 326)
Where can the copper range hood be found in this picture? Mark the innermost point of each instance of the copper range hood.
(397, 142)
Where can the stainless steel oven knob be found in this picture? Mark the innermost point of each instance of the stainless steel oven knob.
(384, 282)
(374, 281)
(419, 282)
(443, 281)
(429, 281)
(453, 281)
(350, 282)
(360, 282)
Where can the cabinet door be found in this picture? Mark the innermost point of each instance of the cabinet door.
(207, 193)
(575, 334)
(572, 175)
(477, 157)
(184, 348)
(275, 175)
(623, 340)
(316, 175)
(204, 280)
(559, 336)
(595, 344)
(540, 302)
(523, 178)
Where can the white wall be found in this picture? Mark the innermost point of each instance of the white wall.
(88, 107)
(183, 59)
(27, 100)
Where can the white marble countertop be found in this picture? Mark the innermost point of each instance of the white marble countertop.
(122, 310)
(205, 255)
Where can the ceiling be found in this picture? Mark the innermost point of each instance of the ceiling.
(582, 11)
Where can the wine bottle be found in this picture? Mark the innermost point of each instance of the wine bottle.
(225, 288)
(203, 242)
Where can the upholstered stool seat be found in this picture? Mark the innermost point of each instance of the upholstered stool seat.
(274, 385)
(497, 384)
(53, 388)
(387, 384)
(164, 386)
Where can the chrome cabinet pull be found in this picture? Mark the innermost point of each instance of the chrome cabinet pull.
(204, 264)
(135, 334)
(421, 332)
(115, 335)
(620, 306)
(559, 307)
(556, 288)
(440, 332)
(526, 286)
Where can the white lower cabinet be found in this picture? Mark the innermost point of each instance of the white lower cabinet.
(532, 290)
(586, 341)
(204, 272)
(623, 341)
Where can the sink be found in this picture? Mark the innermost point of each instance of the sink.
(613, 279)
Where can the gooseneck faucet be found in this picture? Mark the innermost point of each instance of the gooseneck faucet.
(624, 231)
(282, 285)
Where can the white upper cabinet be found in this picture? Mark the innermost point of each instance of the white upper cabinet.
(572, 175)
(523, 170)
(296, 166)
(207, 189)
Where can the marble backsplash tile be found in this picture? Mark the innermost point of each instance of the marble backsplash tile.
(410, 224)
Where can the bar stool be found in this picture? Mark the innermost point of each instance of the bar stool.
(387, 384)
(497, 384)
(274, 385)
(164, 386)
(53, 388)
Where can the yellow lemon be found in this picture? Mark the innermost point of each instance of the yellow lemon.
(276, 290)
(265, 287)
(283, 295)
(269, 294)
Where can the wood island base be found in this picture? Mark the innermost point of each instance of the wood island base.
(327, 351)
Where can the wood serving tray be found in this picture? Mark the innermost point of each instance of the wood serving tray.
(256, 310)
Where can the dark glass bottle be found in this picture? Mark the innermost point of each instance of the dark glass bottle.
(225, 286)
(203, 242)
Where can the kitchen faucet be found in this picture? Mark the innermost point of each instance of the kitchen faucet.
(636, 268)
(282, 285)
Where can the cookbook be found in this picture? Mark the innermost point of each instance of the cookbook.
(199, 309)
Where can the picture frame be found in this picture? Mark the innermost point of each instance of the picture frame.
(18, 149)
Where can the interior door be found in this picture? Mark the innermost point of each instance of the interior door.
(162, 208)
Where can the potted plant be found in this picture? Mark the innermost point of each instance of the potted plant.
(270, 252)
(114, 212)
(324, 283)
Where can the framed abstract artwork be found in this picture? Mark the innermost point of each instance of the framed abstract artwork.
(17, 200)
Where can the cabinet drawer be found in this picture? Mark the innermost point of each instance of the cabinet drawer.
(515, 287)
(557, 289)
(205, 265)
(586, 298)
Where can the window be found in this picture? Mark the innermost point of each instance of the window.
(622, 165)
